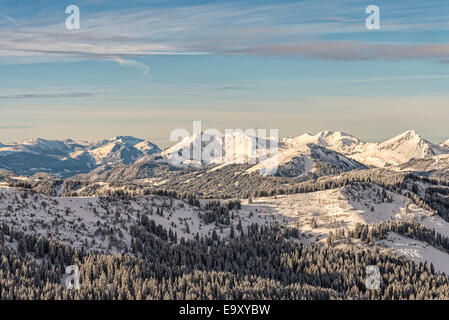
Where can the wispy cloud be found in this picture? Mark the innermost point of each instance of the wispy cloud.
(354, 51)
(234, 28)
(47, 96)
(135, 64)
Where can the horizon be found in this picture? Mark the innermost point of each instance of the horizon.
(163, 147)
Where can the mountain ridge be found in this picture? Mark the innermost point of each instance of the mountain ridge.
(391, 152)
(64, 158)
(67, 157)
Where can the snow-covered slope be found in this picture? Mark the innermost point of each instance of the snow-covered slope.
(114, 153)
(317, 214)
(399, 150)
(230, 148)
(67, 157)
(417, 251)
(346, 206)
(292, 158)
(146, 147)
(298, 159)
(296, 155)
(395, 151)
(121, 149)
(337, 141)
(434, 167)
(104, 223)
(97, 223)
(435, 163)
(328, 152)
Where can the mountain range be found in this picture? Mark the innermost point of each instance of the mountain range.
(65, 158)
(327, 151)
(392, 152)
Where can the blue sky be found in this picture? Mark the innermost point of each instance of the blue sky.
(144, 68)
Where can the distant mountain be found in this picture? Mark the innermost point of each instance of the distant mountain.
(326, 152)
(217, 149)
(395, 151)
(297, 160)
(296, 157)
(65, 158)
(236, 150)
(120, 150)
(398, 150)
(337, 141)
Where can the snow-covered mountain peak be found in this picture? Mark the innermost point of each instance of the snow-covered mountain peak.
(338, 138)
(232, 147)
(398, 150)
(394, 151)
(38, 145)
(334, 140)
(128, 140)
(297, 160)
(33, 141)
(409, 135)
(67, 157)
(412, 143)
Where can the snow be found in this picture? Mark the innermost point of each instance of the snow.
(417, 251)
(337, 141)
(286, 155)
(397, 150)
(304, 157)
(145, 146)
(99, 150)
(103, 152)
(343, 208)
(435, 163)
(229, 148)
(392, 152)
(73, 220)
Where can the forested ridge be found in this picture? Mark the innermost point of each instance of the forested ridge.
(261, 263)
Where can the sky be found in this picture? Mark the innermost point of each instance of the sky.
(145, 68)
